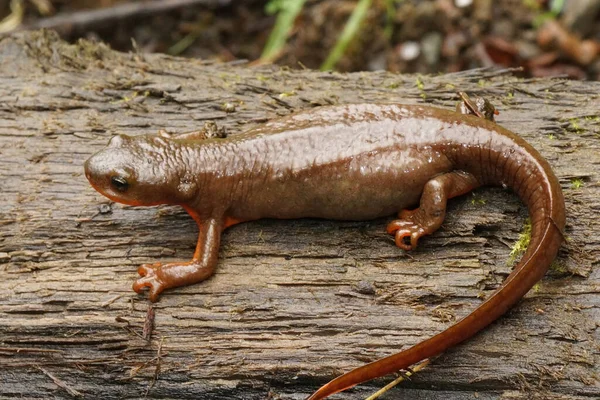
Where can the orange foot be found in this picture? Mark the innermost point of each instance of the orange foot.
(407, 229)
(150, 278)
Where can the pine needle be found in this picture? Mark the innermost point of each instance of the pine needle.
(401, 378)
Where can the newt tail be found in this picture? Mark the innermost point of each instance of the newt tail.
(537, 186)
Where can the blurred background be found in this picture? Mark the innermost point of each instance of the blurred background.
(542, 37)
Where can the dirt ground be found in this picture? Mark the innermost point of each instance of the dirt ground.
(544, 38)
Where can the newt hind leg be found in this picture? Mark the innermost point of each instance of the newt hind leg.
(413, 224)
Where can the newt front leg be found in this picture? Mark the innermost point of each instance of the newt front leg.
(159, 277)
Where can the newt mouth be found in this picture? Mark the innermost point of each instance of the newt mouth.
(99, 182)
(99, 179)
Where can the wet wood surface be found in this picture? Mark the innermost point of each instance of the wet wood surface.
(293, 303)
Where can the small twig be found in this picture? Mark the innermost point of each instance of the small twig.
(90, 19)
(406, 375)
(128, 328)
(281, 102)
(61, 384)
(157, 369)
(148, 324)
(111, 300)
(28, 350)
(468, 103)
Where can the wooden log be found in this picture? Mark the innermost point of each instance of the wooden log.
(293, 303)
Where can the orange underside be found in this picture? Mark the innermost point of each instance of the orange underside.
(228, 220)
(232, 221)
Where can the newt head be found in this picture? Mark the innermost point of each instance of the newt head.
(138, 171)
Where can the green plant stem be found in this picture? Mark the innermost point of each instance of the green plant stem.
(283, 25)
(350, 30)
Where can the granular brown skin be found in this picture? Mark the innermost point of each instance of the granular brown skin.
(352, 162)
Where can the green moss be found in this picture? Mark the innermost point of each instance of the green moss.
(476, 200)
(574, 126)
(559, 268)
(576, 183)
(521, 243)
(419, 83)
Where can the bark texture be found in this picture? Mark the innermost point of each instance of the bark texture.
(293, 303)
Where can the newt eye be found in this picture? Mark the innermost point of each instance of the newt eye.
(119, 183)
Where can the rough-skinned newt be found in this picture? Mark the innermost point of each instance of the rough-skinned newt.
(351, 162)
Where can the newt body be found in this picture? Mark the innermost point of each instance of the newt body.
(351, 162)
